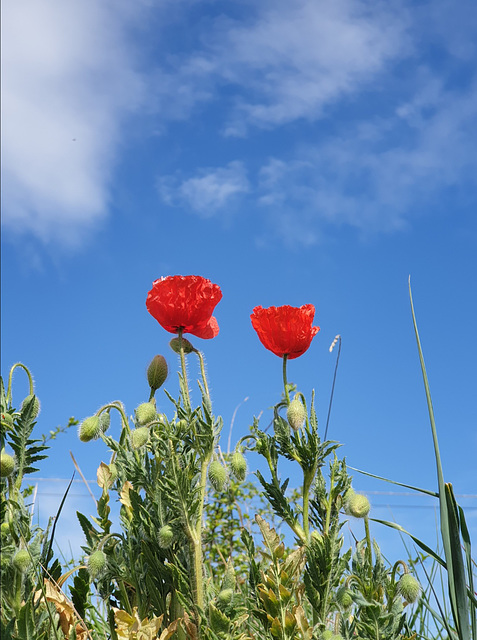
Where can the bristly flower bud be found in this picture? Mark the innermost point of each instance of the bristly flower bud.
(409, 587)
(21, 560)
(96, 563)
(89, 429)
(157, 373)
(165, 536)
(7, 464)
(175, 345)
(225, 597)
(344, 597)
(145, 413)
(217, 475)
(36, 405)
(104, 421)
(7, 419)
(358, 506)
(296, 414)
(139, 437)
(238, 465)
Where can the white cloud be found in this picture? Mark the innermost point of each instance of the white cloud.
(209, 191)
(68, 85)
(381, 175)
(290, 60)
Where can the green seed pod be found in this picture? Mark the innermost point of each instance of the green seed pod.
(104, 421)
(145, 413)
(225, 597)
(238, 465)
(21, 560)
(96, 563)
(165, 536)
(358, 506)
(344, 597)
(175, 345)
(139, 437)
(296, 414)
(157, 373)
(36, 404)
(217, 475)
(7, 464)
(409, 587)
(89, 429)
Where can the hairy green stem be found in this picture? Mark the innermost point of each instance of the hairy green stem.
(307, 481)
(285, 383)
(369, 552)
(30, 380)
(202, 371)
(184, 371)
(197, 537)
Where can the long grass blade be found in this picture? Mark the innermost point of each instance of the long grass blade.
(449, 524)
(399, 484)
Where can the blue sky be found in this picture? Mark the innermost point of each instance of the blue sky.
(291, 151)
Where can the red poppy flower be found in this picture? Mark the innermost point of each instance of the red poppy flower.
(285, 330)
(185, 302)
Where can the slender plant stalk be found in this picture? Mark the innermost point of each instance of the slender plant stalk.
(184, 371)
(285, 383)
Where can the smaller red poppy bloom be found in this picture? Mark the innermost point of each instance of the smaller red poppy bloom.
(185, 302)
(285, 331)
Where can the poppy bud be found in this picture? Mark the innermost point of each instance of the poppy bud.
(229, 577)
(344, 597)
(225, 597)
(36, 404)
(7, 465)
(175, 345)
(96, 563)
(358, 506)
(409, 587)
(145, 413)
(139, 437)
(217, 475)
(7, 419)
(89, 429)
(239, 466)
(157, 372)
(21, 560)
(104, 421)
(4, 529)
(296, 414)
(165, 536)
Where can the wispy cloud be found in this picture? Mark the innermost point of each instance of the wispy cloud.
(69, 82)
(209, 191)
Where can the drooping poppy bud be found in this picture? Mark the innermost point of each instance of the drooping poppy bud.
(409, 587)
(7, 419)
(145, 413)
(36, 404)
(165, 536)
(89, 429)
(217, 475)
(139, 437)
(21, 560)
(7, 464)
(225, 597)
(296, 414)
(157, 372)
(104, 421)
(96, 563)
(238, 465)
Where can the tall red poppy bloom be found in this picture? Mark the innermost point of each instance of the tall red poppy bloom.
(285, 331)
(185, 303)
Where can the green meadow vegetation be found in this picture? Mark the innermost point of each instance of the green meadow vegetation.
(203, 548)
